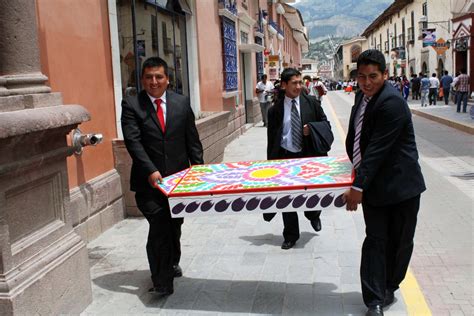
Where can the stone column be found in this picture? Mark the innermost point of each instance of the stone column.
(44, 267)
(20, 67)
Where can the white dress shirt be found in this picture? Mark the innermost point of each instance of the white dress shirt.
(286, 139)
(163, 103)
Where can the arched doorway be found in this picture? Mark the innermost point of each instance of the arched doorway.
(424, 69)
(353, 74)
(440, 68)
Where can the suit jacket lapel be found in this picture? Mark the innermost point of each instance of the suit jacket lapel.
(170, 110)
(150, 109)
(305, 110)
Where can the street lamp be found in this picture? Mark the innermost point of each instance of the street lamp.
(424, 21)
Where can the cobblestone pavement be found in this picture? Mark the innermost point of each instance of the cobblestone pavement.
(234, 264)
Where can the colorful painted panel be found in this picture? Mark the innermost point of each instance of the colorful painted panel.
(171, 181)
(267, 175)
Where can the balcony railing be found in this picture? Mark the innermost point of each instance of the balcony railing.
(230, 5)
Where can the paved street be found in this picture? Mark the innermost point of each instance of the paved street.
(234, 264)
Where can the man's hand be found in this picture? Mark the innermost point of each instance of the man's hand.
(154, 179)
(352, 198)
(306, 130)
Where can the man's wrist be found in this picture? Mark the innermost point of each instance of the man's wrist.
(357, 188)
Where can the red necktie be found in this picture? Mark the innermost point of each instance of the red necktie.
(159, 114)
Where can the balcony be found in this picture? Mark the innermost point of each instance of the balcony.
(276, 27)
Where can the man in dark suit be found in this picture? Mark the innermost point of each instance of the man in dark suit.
(161, 136)
(387, 180)
(288, 136)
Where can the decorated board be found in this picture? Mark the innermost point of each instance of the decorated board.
(259, 186)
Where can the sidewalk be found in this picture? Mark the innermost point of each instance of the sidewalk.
(444, 114)
(234, 264)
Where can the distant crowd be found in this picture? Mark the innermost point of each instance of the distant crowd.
(428, 89)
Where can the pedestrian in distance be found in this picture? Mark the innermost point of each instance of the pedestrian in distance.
(387, 180)
(405, 88)
(289, 136)
(462, 88)
(415, 87)
(446, 82)
(161, 137)
(424, 89)
(434, 86)
(264, 90)
(317, 89)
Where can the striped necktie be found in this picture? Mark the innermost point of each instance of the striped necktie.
(356, 156)
(296, 129)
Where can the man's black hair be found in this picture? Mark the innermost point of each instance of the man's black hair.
(264, 77)
(155, 62)
(446, 72)
(372, 57)
(288, 73)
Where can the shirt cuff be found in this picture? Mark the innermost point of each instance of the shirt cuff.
(356, 188)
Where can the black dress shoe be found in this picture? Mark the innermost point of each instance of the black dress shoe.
(287, 245)
(375, 311)
(316, 224)
(177, 271)
(389, 298)
(161, 291)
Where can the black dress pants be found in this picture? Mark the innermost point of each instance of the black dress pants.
(387, 247)
(291, 229)
(163, 246)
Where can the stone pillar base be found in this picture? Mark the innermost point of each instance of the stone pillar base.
(23, 84)
(44, 268)
(54, 282)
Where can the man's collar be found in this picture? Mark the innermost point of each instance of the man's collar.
(288, 99)
(163, 98)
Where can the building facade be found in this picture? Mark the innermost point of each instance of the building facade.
(463, 38)
(415, 36)
(351, 50)
(68, 65)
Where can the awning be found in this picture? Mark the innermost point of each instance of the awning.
(185, 7)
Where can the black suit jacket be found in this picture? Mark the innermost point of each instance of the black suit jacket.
(150, 149)
(310, 111)
(389, 172)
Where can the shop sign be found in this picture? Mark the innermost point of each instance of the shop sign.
(273, 73)
(441, 46)
(429, 37)
(274, 58)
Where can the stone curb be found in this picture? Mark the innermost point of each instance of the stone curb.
(457, 125)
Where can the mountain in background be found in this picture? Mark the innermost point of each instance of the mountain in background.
(340, 19)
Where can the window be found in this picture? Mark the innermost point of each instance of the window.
(154, 32)
(230, 54)
(160, 30)
(424, 11)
